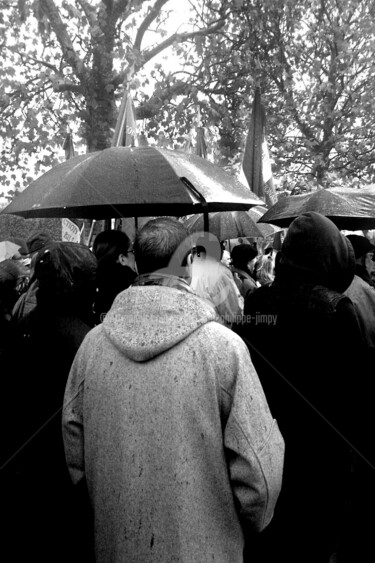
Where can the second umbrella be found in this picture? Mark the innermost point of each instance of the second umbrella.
(226, 225)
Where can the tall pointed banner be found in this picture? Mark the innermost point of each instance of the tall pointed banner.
(256, 164)
(125, 134)
(196, 131)
(68, 146)
(201, 147)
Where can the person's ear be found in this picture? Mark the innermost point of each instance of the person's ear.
(122, 259)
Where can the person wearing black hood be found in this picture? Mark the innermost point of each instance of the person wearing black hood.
(116, 269)
(307, 348)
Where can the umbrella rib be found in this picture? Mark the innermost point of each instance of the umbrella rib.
(194, 190)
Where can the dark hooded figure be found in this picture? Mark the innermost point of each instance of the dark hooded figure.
(306, 345)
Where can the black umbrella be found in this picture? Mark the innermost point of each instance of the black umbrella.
(348, 208)
(132, 181)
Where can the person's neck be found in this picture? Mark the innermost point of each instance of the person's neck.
(163, 279)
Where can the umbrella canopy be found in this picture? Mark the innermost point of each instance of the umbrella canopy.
(348, 209)
(8, 249)
(267, 230)
(226, 225)
(132, 181)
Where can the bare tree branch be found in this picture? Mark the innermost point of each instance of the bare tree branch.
(180, 38)
(151, 16)
(88, 10)
(60, 30)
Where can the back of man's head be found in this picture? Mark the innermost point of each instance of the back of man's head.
(162, 244)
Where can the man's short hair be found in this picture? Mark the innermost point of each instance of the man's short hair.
(162, 244)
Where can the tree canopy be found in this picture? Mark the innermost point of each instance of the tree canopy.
(65, 64)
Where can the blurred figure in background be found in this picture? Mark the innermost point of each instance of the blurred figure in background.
(12, 279)
(38, 500)
(264, 269)
(35, 244)
(116, 268)
(243, 258)
(213, 281)
(361, 290)
(364, 253)
(226, 257)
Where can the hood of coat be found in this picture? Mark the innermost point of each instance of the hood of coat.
(146, 321)
(315, 251)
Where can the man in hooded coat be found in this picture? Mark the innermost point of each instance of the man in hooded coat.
(165, 419)
(305, 341)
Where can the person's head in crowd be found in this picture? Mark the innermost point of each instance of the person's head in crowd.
(162, 245)
(264, 269)
(364, 252)
(243, 256)
(314, 251)
(35, 243)
(113, 247)
(66, 274)
(225, 257)
(10, 277)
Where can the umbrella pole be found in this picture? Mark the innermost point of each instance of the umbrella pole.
(205, 221)
(91, 232)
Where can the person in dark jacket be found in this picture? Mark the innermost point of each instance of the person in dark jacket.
(116, 268)
(35, 244)
(306, 345)
(242, 256)
(43, 517)
(11, 279)
(364, 252)
(362, 291)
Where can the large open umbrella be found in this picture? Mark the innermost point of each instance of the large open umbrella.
(132, 181)
(349, 209)
(267, 230)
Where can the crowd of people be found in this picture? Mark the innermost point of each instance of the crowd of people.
(174, 400)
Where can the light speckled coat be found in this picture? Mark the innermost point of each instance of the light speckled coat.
(165, 417)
